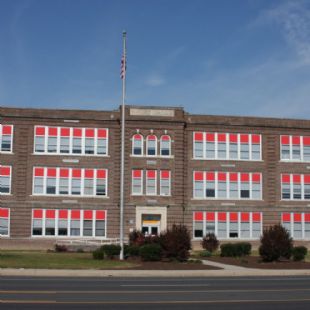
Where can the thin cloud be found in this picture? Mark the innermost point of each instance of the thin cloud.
(155, 80)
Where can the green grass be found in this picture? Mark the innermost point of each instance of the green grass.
(47, 260)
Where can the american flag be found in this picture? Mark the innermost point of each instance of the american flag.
(123, 67)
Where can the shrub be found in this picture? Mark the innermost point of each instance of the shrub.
(136, 237)
(299, 253)
(111, 250)
(205, 253)
(275, 243)
(132, 250)
(236, 249)
(176, 243)
(61, 248)
(210, 242)
(150, 252)
(98, 254)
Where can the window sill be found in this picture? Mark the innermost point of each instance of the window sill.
(223, 159)
(68, 155)
(152, 156)
(70, 196)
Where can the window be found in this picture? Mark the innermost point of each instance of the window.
(68, 181)
(295, 148)
(198, 145)
(256, 143)
(71, 141)
(233, 146)
(5, 180)
(68, 223)
(244, 147)
(297, 224)
(222, 185)
(137, 182)
(137, 145)
(233, 186)
(228, 225)
(151, 180)
(221, 146)
(198, 185)
(6, 138)
(210, 185)
(295, 186)
(306, 148)
(245, 186)
(165, 145)
(210, 145)
(256, 186)
(4, 221)
(165, 183)
(151, 145)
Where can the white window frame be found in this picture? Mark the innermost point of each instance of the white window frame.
(160, 146)
(291, 159)
(160, 184)
(10, 182)
(291, 184)
(132, 145)
(141, 182)
(9, 222)
(1, 137)
(147, 146)
(147, 193)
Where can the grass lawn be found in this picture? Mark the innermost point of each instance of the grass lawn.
(46, 260)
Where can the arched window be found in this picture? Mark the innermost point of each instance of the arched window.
(151, 145)
(165, 145)
(137, 145)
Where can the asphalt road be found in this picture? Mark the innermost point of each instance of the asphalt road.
(155, 293)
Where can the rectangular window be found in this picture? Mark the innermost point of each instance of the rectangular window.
(6, 138)
(244, 147)
(222, 225)
(5, 180)
(4, 221)
(151, 181)
(102, 142)
(210, 145)
(222, 185)
(245, 186)
(89, 182)
(198, 224)
(233, 225)
(65, 140)
(76, 182)
(137, 182)
(165, 145)
(198, 145)
(256, 143)
(75, 223)
(233, 146)
(298, 225)
(210, 185)
(295, 148)
(63, 223)
(89, 141)
(51, 181)
(233, 186)
(100, 224)
(50, 222)
(198, 184)
(295, 186)
(52, 140)
(165, 183)
(245, 230)
(88, 223)
(210, 223)
(101, 188)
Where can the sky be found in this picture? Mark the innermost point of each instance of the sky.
(219, 57)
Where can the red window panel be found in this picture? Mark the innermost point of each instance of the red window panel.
(286, 178)
(198, 176)
(233, 177)
(39, 172)
(165, 138)
(296, 140)
(50, 214)
(151, 137)
(5, 171)
(198, 216)
(256, 217)
(307, 178)
(151, 174)
(256, 139)
(307, 217)
(65, 132)
(245, 217)
(4, 213)
(221, 137)
(76, 173)
(296, 178)
(210, 137)
(210, 176)
(256, 177)
(221, 217)
(233, 138)
(90, 133)
(306, 141)
(37, 214)
(286, 217)
(102, 133)
(233, 217)
(64, 173)
(7, 129)
(222, 176)
(137, 173)
(40, 131)
(285, 140)
(75, 214)
(210, 216)
(297, 217)
(77, 132)
(100, 215)
(89, 173)
(52, 131)
(198, 136)
(244, 138)
(245, 177)
(137, 137)
(63, 214)
(101, 174)
(88, 214)
(51, 172)
(165, 174)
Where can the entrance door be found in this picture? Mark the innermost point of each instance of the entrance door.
(151, 224)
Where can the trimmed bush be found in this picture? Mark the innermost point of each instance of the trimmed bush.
(61, 248)
(276, 243)
(111, 250)
(98, 254)
(236, 249)
(299, 253)
(132, 250)
(150, 252)
(205, 253)
(210, 242)
(176, 243)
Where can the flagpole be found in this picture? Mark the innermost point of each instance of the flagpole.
(123, 151)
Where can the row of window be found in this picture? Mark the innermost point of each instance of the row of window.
(4, 222)
(5, 180)
(6, 138)
(295, 186)
(151, 145)
(70, 181)
(226, 146)
(69, 223)
(151, 186)
(298, 224)
(295, 148)
(71, 141)
(226, 225)
(227, 185)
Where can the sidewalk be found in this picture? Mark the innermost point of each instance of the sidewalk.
(227, 271)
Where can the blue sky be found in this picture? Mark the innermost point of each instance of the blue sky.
(231, 57)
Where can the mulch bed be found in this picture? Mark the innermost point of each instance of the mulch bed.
(255, 262)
